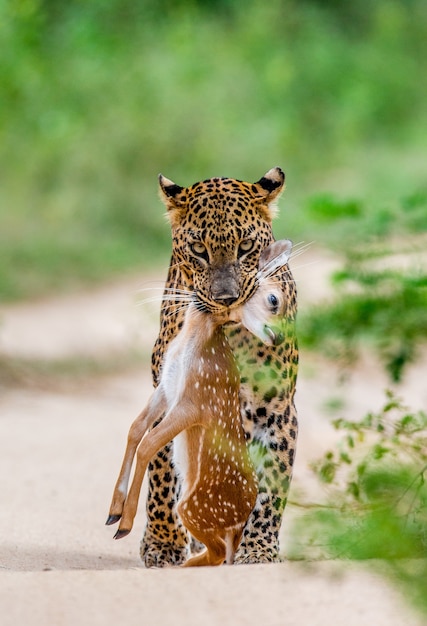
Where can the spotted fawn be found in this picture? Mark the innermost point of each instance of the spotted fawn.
(199, 395)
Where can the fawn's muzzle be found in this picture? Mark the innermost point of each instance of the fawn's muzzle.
(276, 336)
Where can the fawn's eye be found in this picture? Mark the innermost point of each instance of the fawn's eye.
(273, 300)
(245, 246)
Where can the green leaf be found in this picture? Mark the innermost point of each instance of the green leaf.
(350, 441)
(354, 489)
(345, 458)
(379, 451)
(327, 472)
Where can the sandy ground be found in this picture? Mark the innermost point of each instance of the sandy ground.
(60, 453)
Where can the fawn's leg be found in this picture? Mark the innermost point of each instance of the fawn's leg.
(215, 550)
(232, 540)
(176, 420)
(155, 407)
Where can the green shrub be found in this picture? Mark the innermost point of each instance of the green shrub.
(381, 292)
(375, 505)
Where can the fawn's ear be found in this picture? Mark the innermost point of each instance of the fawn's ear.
(173, 197)
(268, 189)
(274, 256)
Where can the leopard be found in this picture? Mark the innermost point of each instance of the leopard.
(219, 227)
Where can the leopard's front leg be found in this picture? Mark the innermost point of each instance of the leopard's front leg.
(165, 541)
(272, 448)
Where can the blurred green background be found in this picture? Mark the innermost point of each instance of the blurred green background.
(97, 97)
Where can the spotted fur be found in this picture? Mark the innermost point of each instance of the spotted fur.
(199, 392)
(219, 229)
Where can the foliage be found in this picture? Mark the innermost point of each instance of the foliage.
(376, 496)
(381, 291)
(96, 98)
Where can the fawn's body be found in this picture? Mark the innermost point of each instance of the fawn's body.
(199, 392)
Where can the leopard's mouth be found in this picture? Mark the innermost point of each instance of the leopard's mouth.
(221, 307)
(223, 315)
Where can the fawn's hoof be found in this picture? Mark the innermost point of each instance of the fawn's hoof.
(112, 519)
(121, 533)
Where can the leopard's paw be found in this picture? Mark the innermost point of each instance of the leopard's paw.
(161, 554)
(257, 554)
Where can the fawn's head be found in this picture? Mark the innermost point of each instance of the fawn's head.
(263, 313)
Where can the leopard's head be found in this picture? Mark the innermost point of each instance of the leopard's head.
(219, 228)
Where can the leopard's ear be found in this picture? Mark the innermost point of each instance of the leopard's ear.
(172, 196)
(168, 188)
(268, 189)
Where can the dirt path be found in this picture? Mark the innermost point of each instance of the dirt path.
(60, 452)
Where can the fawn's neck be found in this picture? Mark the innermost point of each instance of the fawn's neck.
(200, 326)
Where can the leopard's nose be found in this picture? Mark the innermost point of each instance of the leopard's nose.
(225, 299)
(225, 284)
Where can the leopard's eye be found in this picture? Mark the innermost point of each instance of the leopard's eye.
(245, 246)
(200, 252)
(198, 248)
